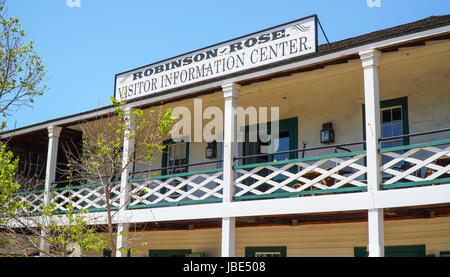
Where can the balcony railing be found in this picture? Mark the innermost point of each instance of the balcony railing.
(416, 165)
(420, 164)
(177, 189)
(336, 173)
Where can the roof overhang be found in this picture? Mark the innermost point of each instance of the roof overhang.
(333, 53)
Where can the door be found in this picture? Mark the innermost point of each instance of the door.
(287, 140)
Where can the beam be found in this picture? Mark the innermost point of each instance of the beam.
(238, 79)
(230, 94)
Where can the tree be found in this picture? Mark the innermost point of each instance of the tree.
(22, 229)
(21, 69)
(100, 159)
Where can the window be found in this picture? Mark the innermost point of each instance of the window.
(395, 251)
(176, 156)
(265, 251)
(287, 140)
(391, 126)
(394, 121)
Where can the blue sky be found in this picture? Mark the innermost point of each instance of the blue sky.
(83, 48)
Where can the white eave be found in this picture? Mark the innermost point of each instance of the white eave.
(391, 42)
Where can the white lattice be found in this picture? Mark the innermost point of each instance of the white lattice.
(176, 189)
(87, 197)
(415, 165)
(35, 201)
(322, 174)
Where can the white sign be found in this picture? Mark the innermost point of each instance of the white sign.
(290, 40)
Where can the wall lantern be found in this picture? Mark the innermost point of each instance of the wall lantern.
(327, 133)
(211, 150)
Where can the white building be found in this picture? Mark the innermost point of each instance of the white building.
(380, 187)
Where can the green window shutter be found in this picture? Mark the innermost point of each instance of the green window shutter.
(403, 102)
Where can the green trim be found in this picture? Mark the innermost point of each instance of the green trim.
(395, 251)
(412, 146)
(164, 162)
(403, 102)
(300, 193)
(251, 251)
(164, 157)
(339, 155)
(169, 252)
(29, 192)
(76, 187)
(415, 184)
(175, 204)
(290, 125)
(178, 175)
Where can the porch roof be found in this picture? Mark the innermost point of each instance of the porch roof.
(422, 25)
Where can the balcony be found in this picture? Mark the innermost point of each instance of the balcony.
(420, 164)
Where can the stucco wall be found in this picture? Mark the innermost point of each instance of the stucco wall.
(336, 94)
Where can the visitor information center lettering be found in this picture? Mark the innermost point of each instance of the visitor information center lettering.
(293, 39)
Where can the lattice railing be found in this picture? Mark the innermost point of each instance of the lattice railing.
(177, 189)
(34, 200)
(403, 166)
(416, 165)
(89, 197)
(308, 176)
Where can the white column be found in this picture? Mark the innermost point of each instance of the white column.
(370, 64)
(230, 94)
(50, 172)
(127, 156)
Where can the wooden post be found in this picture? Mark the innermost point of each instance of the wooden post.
(127, 155)
(50, 173)
(370, 64)
(231, 94)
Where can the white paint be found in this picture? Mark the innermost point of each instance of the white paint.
(407, 197)
(50, 172)
(228, 236)
(261, 73)
(370, 63)
(270, 46)
(127, 166)
(231, 94)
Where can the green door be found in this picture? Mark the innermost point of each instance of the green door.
(395, 251)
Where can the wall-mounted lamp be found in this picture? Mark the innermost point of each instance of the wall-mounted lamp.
(327, 133)
(211, 150)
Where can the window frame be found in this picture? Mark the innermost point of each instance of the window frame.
(391, 103)
(252, 250)
(165, 155)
